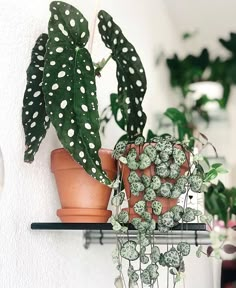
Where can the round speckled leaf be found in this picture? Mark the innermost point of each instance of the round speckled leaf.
(182, 182)
(176, 192)
(174, 171)
(147, 216)
(128, 251)
(155, 254)
(139, 140)
(130, 270)
(165, 189)
(167, 219)
(139, 207)
(155, 182)
(118, 199)
(143, 227)
(183, 248)
(156, 207)
(134, 277)
(164, 156)
(151, 152)
(70, 90)
(123, 217)
(136, 222)
(136, 188)
(189, 215)
(146, 180)
(162, 170)
(168, 148)
(152, 269)
(144, 259)
(34, 117)
(195, 182)
(161, 144)
(145, 277)
(179, 156)
(149, 195)
(172, 258)
(144, 161)
(157, 160)
(131, 159)
(130, 73)
(178, 212)
(133, 177)
(119, 149)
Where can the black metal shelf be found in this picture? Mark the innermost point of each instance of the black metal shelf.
(106, 226)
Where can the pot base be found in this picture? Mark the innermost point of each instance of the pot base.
(83, 215)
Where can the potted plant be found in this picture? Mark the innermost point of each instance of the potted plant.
(220, 203)
(61, 89)
(155, 173)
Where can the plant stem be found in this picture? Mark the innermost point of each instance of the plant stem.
(100, 68)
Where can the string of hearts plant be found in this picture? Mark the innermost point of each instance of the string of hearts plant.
(162, 168)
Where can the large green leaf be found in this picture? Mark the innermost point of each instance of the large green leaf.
(119, 109)
(230, 44)
(179, 119)
(34, 117)
(130, 73)
(70, 89)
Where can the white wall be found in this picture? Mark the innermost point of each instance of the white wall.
(42, 259)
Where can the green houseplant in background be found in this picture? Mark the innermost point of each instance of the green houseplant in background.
(203, 68)
(220, 202)
(61, 89)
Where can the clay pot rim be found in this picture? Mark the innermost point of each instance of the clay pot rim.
(58, 150)
(83, 212)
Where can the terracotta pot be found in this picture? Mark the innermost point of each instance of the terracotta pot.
(167, 203)
(84, 215)
(76, 188)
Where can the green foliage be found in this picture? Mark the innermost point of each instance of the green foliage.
(129, 70)
(188, 70)
(61, 87)
(221, 201)
(179, 119)
(34, 117)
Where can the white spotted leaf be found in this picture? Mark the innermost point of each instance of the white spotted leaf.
(130, 75)
(70, 89)
(34, 117)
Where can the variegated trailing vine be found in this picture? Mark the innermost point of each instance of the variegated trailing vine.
(164, 167)
(130, 75)
(34, 117)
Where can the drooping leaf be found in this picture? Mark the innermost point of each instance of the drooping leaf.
(128, 250)
(70, 90)
(130, 73)
(34, 116)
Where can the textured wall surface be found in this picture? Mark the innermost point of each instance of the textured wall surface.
(46, 259)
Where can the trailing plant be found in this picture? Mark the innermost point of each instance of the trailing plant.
(61, 87)
(162, 168)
